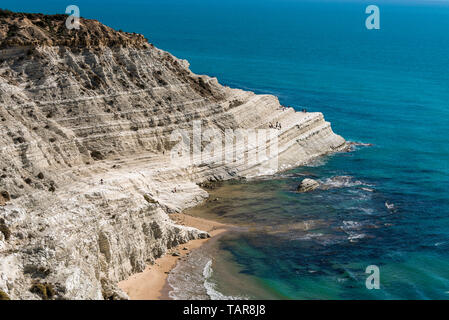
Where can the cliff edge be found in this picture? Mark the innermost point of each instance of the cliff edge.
(88, 176)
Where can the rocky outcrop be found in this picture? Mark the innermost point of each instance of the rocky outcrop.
(307, 185)
(87, 122)
(36, 29)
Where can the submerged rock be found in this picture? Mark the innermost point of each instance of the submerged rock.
(308, 185)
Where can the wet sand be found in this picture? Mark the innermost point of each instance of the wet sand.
(151, 284)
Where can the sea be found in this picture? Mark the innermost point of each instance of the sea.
(383, 207)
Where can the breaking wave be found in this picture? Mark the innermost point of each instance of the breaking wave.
(192, 280)
(341, 182)
(210, 286)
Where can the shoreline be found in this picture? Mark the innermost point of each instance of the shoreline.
(152, 283)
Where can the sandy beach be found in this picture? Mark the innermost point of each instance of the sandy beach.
(151, 284)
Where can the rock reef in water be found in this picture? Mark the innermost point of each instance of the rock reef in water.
(307, 185)
(86, 122)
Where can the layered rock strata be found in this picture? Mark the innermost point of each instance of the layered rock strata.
(88, 176)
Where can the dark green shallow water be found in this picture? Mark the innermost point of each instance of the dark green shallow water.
(318, 245)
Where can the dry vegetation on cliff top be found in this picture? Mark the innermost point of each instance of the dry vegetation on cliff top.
(32, 29)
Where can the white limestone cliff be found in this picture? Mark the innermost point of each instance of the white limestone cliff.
(85, 145)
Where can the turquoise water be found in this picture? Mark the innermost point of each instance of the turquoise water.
(388, 87)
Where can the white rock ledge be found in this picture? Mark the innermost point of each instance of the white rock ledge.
(96, 122)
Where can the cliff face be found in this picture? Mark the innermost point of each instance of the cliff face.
(87, 176)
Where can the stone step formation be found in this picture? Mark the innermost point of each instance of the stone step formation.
(87, 118)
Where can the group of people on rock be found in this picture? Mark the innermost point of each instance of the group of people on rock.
(283, 108)
(277, 126)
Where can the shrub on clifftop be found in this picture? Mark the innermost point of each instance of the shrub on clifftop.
(44, 290)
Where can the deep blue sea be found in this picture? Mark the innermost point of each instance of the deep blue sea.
(385, 205)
